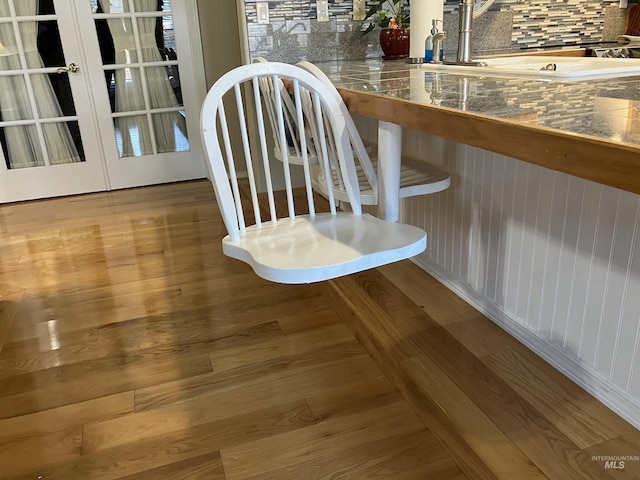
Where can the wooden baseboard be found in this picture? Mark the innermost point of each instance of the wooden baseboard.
(590, 380)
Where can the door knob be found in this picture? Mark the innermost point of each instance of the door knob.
(73, 68)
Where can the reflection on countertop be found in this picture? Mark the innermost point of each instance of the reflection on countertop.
(603, 108)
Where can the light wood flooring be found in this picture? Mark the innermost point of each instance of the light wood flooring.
(131, 348)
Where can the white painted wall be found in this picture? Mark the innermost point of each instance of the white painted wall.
(553, 259)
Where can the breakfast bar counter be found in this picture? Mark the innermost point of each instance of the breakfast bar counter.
(539, 230)
(588, 128)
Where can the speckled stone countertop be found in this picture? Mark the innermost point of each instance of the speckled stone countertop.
(603, 108)
(578, 122)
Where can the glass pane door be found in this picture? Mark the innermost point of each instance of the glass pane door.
(42, 135)
(147, 139)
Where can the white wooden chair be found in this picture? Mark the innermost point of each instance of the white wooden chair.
(298, 248)
(416, 178)
(269, 92)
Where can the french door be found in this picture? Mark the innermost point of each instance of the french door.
(96, 95)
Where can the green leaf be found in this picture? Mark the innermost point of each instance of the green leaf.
(372, 11)
(369, 28)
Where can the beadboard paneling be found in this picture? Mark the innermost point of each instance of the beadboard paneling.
(549, 254)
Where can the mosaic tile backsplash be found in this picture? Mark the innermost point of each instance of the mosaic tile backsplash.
(294, 34)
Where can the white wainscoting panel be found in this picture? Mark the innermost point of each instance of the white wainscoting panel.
(552, 258)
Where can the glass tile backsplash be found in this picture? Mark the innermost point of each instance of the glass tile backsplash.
(294, 33)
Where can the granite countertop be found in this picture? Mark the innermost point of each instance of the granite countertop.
(589, 128)
(602, 108)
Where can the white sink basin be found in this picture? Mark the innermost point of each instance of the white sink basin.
(546, 67)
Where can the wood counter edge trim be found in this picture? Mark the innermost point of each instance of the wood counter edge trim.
(608, 163)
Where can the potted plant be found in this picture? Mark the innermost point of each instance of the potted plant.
(393, 18)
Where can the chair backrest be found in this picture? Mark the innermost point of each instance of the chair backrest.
(240, 89)
(359, 149)
(269, 92)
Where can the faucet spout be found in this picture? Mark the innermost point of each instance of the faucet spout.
(464, 35)
(438, 40)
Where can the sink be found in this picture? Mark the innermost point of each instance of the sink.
(546, 67)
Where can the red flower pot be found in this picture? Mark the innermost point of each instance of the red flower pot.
(394, 43)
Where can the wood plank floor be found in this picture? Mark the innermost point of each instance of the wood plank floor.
(131, 348)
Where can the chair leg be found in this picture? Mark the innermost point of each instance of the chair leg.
(389, 157)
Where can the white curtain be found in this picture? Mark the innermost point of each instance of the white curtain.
(129, 93)
(23, 144)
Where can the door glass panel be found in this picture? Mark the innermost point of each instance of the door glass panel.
(174, 78)
(171, 132)
(150, 42)
(133, 136)
(45, 7)
(14, 100)
(110, 6)
(58, 94)
(29, 34)
(123, 40)
(61, 146)
(9, 59)
(152, 5)
(146, 88)
(62, 92)
(28, 8)
(167, 33)
(23, 145)
(162, 94)
(74, 130)
(49, 46)
(127, 90)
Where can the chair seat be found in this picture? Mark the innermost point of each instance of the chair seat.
(294, 157)
(421, 178)
(305, 249)
(416, 178)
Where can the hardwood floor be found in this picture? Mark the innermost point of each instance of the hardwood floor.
(131, 348)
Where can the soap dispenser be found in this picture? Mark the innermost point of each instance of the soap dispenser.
(428, 43)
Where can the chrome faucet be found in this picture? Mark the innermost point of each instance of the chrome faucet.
(438, 40)
(464, 36)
